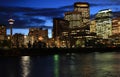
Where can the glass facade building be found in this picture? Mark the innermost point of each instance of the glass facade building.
(74, 18)
(83, 7)
(104, 23)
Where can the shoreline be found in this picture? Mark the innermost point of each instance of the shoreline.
(51, 51)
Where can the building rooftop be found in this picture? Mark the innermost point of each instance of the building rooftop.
(105, 10)
(81, 4)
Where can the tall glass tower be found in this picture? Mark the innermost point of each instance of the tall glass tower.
(83, 7)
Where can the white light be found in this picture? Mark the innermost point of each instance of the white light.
(104, 11)
(40, 38)
(25, 64)
(9, 37)
(11, 21)
(25, 36)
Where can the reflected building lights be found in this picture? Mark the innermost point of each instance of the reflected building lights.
(25, 65)
(56, 65)
(104, 63)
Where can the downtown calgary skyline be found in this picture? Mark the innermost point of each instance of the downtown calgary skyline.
(41, 13)
(77, 28)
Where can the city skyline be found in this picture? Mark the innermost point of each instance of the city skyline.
(41, 13)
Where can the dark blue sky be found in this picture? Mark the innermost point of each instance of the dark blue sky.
(39, 13)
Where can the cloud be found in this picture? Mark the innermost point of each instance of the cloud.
(68, 7)
(47, 12)
(26, 17)
(11, 0)
(16, 9)
(104, 4)
(18, 14)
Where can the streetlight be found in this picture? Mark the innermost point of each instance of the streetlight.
(11, 22)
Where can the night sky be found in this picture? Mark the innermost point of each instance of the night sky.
(39, 13)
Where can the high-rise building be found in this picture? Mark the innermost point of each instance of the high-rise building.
(36, 34)
(116, 26)
(79, 23)
(18, 40)
(60, 31)
(59, 26)
(2, 32)
(92, 26)
(104, 23)
(74, 18)
(83, 7)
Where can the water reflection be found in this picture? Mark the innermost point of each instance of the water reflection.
(90, 65)
(108, 64)
(64, 65)
(116, 65)
(42, 66)
(77, 65)
(56, 65)
(25, 65)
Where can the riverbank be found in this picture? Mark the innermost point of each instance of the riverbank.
(50, 51)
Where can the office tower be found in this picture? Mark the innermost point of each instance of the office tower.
(74, 18)
(59, 26)
(38, 34)
(116, 31)
(60, 31)
(116, 26)
(83, 7)
(78, 23)
(104, 23)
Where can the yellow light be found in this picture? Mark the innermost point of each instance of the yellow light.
(25, 64)
(82, 5)
(8, 37)
(40, 38)
(25, 36)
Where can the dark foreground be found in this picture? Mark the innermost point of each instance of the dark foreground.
(49, 51)
(93, 64)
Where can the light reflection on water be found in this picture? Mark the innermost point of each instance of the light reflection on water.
(64, 65)
(25, 65)
(106, 64)
(56, 65)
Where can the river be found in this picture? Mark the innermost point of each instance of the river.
(92, 64)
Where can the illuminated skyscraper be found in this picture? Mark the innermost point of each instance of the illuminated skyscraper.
(74, 18)
(116, 26)
(116, 31)
(78, 22)
(59, 26)
(37, 34)
(60, 31)
(83, 7)
(104, 23)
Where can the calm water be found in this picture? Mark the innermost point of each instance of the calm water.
(66, 65)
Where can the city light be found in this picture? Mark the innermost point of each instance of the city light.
(40, 38)
(75, 29)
